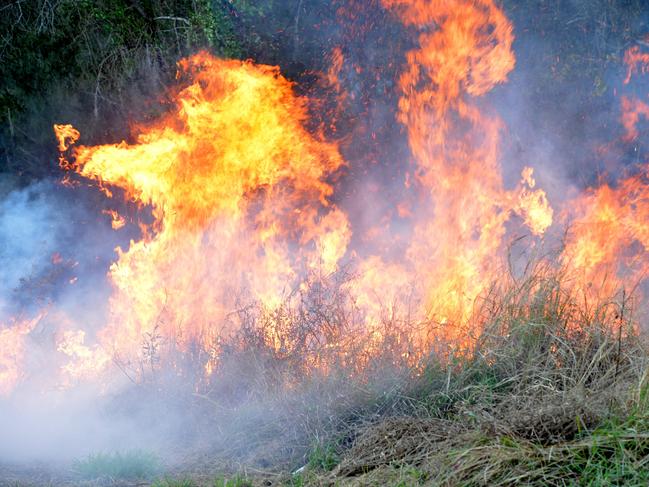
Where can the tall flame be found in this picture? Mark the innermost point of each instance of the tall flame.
(240, 199)
(464, 51)
(237, 203)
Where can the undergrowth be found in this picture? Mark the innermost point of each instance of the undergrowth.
(130, 465)
(551, 390)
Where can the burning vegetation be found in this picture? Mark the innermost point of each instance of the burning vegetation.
(459, 317)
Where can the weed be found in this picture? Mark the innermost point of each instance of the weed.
(235, 481)
(134, 464)
(169, 482)
(324, 457)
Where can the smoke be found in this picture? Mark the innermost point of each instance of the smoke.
(57, 246)
(54, 247)
(64, 426)
(54, 251)
(562, 102)
(31, 235)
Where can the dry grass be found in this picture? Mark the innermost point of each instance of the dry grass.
(552, 393)
(552, 390)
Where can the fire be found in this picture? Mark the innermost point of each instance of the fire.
(608, 244)
(237, 204)
(636, 61)
(632, 110)
(455, 144)
(607, 248)
(84, 361)
(234, 182)
(12, 352)
(66, 135)
(533, 205)
(117, 221)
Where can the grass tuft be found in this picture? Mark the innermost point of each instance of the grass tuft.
(235, 481)
(324, 457)
(130, 465)
(169, 482)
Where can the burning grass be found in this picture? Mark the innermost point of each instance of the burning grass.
(246, 339)
(552, 391)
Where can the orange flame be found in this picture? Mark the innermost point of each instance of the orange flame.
(242, 199)
(632, 110)
(117, 221)
(464, 51)
(232, 177)
(66, 135)
(12, 352)
(607, 248)
(636, 61)
(608, 243)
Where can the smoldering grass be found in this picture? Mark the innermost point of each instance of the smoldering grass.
(129, 465)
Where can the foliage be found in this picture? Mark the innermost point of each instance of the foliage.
(324, 457)
(81, 59)
(576, 42)
(92, 62)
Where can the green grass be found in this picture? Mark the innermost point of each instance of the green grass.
(324, 457)
(133, 464)
(169, 482)
(235, 481)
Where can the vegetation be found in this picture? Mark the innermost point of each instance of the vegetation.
(553, 391)
(99, 63)
(235, 481)
(537, 401)
(169, 482)
(94, 62)
(134, 464)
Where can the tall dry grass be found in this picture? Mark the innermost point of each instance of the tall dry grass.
(552, 385)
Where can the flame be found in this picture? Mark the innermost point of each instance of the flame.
(234, 182)
(533, 205)
(333, 73)
(237, 205)
(84, 361)
(464, 52)
(632, 110)
(241, 201)
(12, 352)
(607, 248)
(608, 243)
(637, 62)
(66, 135)
(117, 221)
